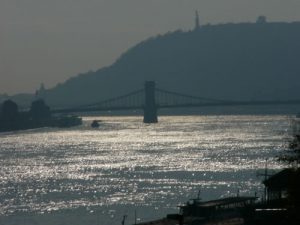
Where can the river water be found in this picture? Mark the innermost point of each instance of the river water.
(85, 175)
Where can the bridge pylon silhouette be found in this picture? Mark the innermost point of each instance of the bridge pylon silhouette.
(150, 107)
(150, 99)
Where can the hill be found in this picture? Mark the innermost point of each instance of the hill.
(246, 61)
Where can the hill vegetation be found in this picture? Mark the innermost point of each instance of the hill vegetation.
(246, 61)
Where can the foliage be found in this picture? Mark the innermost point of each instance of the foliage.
(229, 61)
(9, 110)
(292, 155)
(39, 110)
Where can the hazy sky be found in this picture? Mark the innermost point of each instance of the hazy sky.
(51, 40)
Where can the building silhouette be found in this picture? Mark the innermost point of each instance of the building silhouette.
(197, 23)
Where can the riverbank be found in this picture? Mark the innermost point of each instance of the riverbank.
(39, 115)
(26, 124)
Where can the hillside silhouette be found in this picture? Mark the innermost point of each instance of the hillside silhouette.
(246, 61)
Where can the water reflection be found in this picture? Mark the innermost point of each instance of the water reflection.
(124, 163)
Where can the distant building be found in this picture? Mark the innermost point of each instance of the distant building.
(41, 92)
(261, 20)
(197, 23)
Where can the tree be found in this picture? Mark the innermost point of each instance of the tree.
(292, 158)
(292, 155)
(39, 110)
(9, 111)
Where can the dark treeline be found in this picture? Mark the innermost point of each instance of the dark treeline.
(39, 115)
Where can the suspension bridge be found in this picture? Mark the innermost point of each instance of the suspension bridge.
(150, 99)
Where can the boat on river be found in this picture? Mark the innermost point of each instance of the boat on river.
(276, 208)
(229, 210)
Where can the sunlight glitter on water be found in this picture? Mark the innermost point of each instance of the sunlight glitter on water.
(125, 162)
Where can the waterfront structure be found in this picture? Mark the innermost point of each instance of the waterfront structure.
(277, 185)
(195, 211)
(277, 209)
(217, 208)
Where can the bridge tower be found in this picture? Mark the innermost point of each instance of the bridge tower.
(150, 108)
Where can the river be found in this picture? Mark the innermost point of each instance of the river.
(85, 176)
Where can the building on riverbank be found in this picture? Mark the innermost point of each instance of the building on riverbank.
(278, 208)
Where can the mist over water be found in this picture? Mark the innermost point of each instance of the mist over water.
(85, 175)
